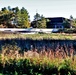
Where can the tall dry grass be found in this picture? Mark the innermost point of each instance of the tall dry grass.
(47, 61)
(54, 55)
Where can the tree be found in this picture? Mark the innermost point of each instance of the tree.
(9, 8)
(4, 9)
(5, 17)
(42, 22)
(39, 21)
(37, 17)
(14, 17)
(73, 21)
(13, 9)
(16, 9)
(23, 18)
(66, 23)
(71, 17)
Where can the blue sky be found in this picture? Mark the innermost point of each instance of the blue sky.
(49, 8)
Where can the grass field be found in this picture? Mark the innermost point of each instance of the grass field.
(56, 36)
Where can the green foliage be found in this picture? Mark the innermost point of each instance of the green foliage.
(65, 67)
(39, 21)
(66, 23)
(34, 67)
(73, 23)
(42, 23)
(37, 17)
(19, 17)
(73, 30)
(23, 20)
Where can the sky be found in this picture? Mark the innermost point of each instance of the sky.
(47, 8)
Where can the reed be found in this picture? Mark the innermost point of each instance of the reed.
(58, 61)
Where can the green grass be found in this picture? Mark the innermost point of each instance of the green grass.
(55, 36)
(40, 66)
(52, 36)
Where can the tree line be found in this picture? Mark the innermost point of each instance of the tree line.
(20, 18)
(14, 17)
